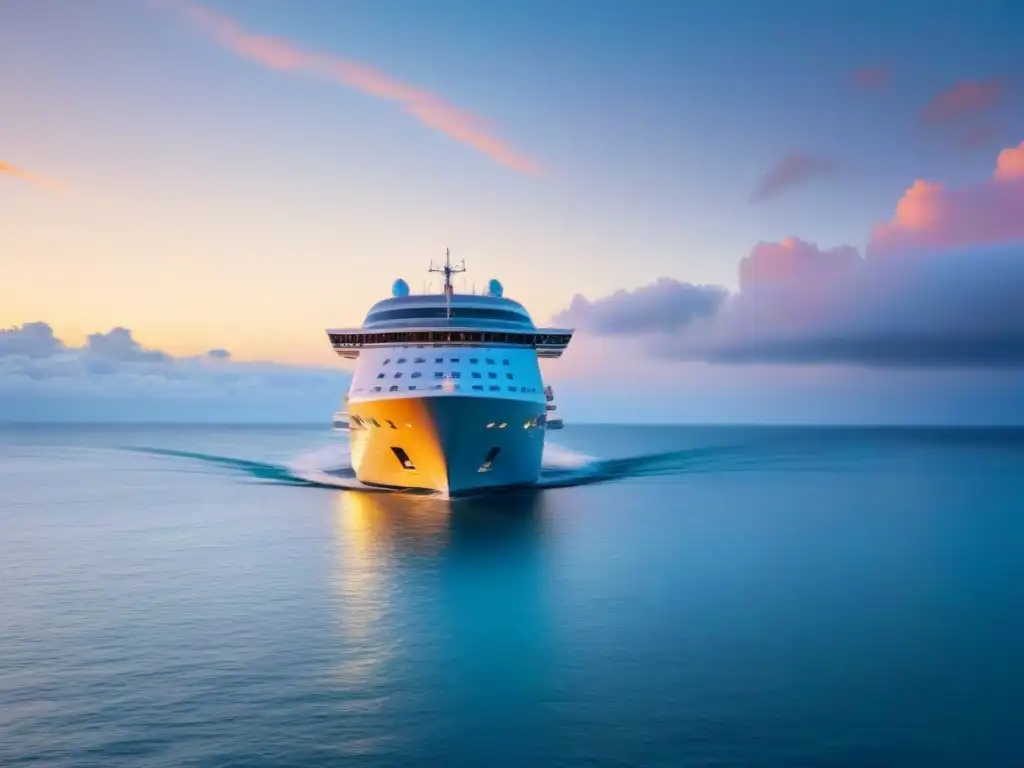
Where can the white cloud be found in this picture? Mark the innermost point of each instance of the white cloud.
(113, 377)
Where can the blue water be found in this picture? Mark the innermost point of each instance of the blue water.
(196, 596)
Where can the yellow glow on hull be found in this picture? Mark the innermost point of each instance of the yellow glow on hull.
(446, 440)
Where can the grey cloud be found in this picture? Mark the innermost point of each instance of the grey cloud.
(41, 377)
(958, 309)
(666, 305)
(791, 171)
(29, 340)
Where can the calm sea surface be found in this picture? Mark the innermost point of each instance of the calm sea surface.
(198, 596)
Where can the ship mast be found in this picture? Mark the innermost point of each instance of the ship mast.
(448, 269)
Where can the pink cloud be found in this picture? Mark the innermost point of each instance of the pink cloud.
(871, 77)
(33, 178)
(954, 303)
(968, 97)
(1010, 164)
(283, 56)
(795, 259)
(792, 170)
(931, 216)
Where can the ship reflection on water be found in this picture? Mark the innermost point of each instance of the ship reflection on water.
(407, 524)
(452, 595)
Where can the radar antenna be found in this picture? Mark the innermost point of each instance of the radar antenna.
(448, 269)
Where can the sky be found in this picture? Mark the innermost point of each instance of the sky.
(788, 211)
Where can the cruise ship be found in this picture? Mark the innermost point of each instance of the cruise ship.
(447, 393)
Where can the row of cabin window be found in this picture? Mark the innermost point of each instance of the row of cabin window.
(472, 360)
(475, 387)
(441, 375)
(358, 422)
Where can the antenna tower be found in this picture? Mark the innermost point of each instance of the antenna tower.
(448, 269)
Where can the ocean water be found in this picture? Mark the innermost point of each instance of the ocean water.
(675, 596)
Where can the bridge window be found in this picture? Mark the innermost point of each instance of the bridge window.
(381, 375)
(456, 375)
(393, 388)
(511, 389)
(386, 361)
(416, 374)
(455, 359)
(448, 336)
(424, 313)
(374, 422)
(478, 387)
(376, 389)
(476, 374)
(509, 376)
(495, 388)
(474, 360)
(492, 375)
(489, 361)
(412, 386)
(438, 374)
(420, 360)
(504, 362)
(398, 375)
(391, 424)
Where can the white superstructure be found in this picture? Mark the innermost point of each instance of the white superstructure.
(447, 392)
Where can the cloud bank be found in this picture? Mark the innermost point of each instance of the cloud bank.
(284, 56)
(940, 285)
(113, 377)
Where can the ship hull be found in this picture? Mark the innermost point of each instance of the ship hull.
(448, 443)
